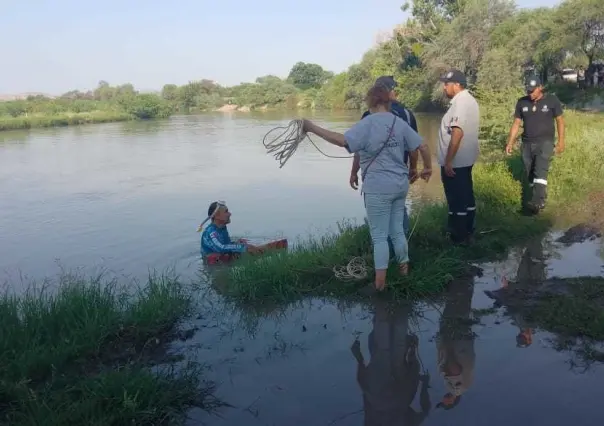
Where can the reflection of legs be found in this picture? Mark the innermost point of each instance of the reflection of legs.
(397, 231)
(379, 207)
(541, 169)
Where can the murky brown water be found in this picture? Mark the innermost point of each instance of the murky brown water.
(128, 197)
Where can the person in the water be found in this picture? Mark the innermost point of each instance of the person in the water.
(215, 237)
(216, 243)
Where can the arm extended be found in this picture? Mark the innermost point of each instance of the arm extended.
(334, 138)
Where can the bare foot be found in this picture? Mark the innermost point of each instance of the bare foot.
(380, 285)
(404, 268)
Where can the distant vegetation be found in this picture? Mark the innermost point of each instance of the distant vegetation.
(492, 41)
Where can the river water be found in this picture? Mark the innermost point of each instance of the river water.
(128, 197)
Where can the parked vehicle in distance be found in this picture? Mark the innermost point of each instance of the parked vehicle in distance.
(569, 74)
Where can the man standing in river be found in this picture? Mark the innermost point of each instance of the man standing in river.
(538, 111)
(406, 115)
(458, 150)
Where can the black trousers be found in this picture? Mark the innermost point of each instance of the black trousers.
(459, 191)
(536, 157)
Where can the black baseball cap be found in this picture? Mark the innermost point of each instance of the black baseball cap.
(454, 76)
(386, 81)
(532, 83)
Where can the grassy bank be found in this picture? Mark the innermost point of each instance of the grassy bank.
(61, 120)
(81, 355)
(36, 112)
(307, 269)
(571, 308)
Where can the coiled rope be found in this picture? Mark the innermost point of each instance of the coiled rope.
(357, 268)
(283, 146)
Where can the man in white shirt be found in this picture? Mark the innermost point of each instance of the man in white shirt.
(458, 150)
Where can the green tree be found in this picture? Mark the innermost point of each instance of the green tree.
(464, 42)
(170, 92)
(104, 92)
(305, 75)
(580, 25)
(145, 106)
(524, 41)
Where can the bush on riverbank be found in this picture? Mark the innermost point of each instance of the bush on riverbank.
(61, 120)
(81, 355)
(307, 269)
(41, 112)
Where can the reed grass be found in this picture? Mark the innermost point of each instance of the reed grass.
(61, 120)
(81, 353)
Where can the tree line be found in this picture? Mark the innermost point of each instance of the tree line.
(493, 41)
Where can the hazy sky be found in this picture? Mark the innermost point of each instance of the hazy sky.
(54, 46)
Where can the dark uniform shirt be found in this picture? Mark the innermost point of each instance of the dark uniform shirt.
(400, 111)
(538, 117)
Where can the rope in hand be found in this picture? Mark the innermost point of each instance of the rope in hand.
(285, 144)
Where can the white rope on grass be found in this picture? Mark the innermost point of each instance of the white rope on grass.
(356, 269)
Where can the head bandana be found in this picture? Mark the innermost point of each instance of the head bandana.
(219, 204)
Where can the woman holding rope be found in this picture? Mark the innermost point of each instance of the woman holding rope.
(381, 140)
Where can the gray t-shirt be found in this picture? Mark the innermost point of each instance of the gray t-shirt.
(388, 173)
(463, 113)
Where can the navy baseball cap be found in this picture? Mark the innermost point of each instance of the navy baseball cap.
(386, 81)
(532, 83)
(454, 76)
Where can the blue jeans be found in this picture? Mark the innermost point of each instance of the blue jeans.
(406, 222)
(386, 218)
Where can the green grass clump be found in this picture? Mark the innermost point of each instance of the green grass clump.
(81, 354)
(61, 120)
(577, 312)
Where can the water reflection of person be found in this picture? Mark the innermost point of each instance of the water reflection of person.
(390, 380)
(455, 343)
(531, 274)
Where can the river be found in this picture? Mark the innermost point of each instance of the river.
(127, 198)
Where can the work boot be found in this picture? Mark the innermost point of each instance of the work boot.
(532, 208)
(459, 229)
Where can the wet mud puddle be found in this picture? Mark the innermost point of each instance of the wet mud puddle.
(489, 352)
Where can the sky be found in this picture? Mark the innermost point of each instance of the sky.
(53, 46)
